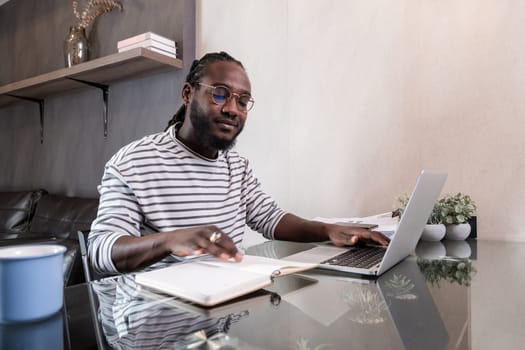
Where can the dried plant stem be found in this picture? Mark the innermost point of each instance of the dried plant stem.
(93, 9)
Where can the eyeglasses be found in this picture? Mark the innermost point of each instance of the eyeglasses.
(221, 95)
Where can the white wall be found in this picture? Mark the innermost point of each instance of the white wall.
(353, 98)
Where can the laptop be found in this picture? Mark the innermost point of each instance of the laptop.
(375, 260)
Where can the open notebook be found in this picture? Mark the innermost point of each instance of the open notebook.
(210, 282)
(283, 287)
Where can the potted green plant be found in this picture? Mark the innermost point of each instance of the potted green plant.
(434, 230)
(455, 211)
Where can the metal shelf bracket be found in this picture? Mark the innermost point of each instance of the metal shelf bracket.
(105, 96)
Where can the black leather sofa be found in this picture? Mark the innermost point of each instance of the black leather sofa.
(36, 217)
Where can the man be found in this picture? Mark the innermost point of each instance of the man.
(186, 185)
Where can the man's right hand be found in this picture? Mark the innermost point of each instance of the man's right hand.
(203, 240)
(132, 253)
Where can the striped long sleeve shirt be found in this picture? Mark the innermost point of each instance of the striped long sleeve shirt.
(158, 183)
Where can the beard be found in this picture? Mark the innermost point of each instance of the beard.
(201, 123)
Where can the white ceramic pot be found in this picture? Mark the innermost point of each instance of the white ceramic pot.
(433, 232)
(457, 232)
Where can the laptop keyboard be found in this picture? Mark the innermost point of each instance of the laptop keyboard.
(364, 257)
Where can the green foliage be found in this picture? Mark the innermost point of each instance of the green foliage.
(435, 216)
(456, 209)
(402, 202)
(450, 209)
(458, 271)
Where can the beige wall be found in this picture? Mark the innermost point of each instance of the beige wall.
(353, 98)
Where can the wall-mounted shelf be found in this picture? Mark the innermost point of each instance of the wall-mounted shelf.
(100, 72)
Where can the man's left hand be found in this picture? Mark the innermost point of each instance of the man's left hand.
(347, 235)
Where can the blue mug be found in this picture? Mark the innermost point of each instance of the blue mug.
(31, 282)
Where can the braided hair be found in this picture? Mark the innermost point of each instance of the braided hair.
(197, 71)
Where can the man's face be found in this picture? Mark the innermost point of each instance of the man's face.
(204, 126)
(217, 126)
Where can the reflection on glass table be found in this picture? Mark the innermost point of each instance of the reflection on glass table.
(395, 311)
(46, 334)
(411, 306)
(401, 298)
(317, 309)
(133, 317)
(458, 271)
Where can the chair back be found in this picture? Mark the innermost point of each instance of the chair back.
(82, 241)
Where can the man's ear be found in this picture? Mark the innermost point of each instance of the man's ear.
(187, 93)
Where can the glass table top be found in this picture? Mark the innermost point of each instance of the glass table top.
(471, 299)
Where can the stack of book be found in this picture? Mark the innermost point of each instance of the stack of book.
(150, 41)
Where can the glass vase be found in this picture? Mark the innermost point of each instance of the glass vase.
(76, 46)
